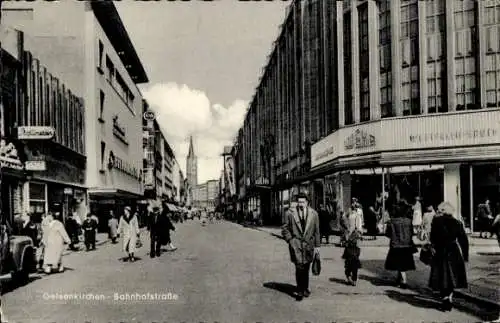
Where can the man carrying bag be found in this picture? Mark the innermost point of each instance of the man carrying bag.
(301, 232)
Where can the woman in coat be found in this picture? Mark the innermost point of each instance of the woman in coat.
(401, 249)
(113, 227)
(128, 227)
(54, 240)
(451, 250)
(352, 235)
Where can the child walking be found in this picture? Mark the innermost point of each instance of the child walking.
(352, 235)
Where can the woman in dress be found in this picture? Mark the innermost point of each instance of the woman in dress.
(401, 249)
(451, 250)
(352, 234)
(54, 240)
(113, 227)
(128, 227)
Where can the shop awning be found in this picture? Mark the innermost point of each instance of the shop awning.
(113, 193)
(396, 169)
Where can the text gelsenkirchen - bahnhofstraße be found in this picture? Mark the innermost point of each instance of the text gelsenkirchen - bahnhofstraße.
(115, 297)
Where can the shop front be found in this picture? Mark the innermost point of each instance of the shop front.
(453, 157)
(12, 178)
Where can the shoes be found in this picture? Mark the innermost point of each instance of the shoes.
(349, 281)
(353, 282)
(447, 306)
(307, 293)
(299, 296)
(403, 285)
(47, 270)
(61, 269)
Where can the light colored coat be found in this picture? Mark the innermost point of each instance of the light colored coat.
(129, 231)
(301, 244)
(54, 238)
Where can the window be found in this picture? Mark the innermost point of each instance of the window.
(101, 105)
(37, 198)
(348, 113)
(110, 67)
(101, 54)
(364, 64)
(492, 83)
(466, 83)
(103, 152)
(410, 93)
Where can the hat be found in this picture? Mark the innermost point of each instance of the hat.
(446, 208)
(128, 208)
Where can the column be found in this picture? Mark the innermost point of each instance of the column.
(452, 186)
(345, 182)
(471, 197)
(422, 66)
(355, 61)
(26, 197)
(340, 62)
(450, 55)
(396, 56)
(374, 61)
(482, 54)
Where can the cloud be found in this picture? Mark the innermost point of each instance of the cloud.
(182, 111)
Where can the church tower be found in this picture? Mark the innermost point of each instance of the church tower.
(192, 166)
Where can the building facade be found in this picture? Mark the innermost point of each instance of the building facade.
(88, 48)
(414, 118)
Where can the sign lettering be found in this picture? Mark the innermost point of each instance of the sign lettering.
(35, 133)
(359, 139)
(455, 135)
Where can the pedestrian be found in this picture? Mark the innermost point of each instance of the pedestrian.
(128, 227)
(495, 227)
(450, 252)
(324, 223)
(4, 252)
(353, 232)
(301, 232)
(89, 228)
(155, 230)
(417, 216)
(167, 226)
(484, 218)
(113, 227)
(29, 229)
(427, 218)
(371, 222)
(73, 229)
(54, 242)
(40, 254)
(401, 249)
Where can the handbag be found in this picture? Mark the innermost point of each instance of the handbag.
(316, 265)
(426, 254)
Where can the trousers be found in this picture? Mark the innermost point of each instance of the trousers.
(302, 276)
(155, 249)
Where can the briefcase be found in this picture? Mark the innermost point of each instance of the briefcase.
(316, 265)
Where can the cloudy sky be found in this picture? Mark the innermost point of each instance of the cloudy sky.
(203, 60)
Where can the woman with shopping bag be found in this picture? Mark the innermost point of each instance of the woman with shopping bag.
(128, 227)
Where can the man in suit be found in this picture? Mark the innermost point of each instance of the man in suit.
(155, 227)
(301, 232)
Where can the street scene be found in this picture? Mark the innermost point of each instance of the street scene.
(250, 161)
(211, 280)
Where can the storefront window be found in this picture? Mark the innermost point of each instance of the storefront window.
(38, 201)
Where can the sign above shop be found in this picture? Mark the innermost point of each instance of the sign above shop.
(149, 116)
(36, 165)
(9, 157)
(35, 133)
(359, 139)
(119, 131)
(123, 166)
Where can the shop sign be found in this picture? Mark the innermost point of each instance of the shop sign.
(68, 191)
(149, 115)
(324, 150)
(36, 165)
(123, 166)
(35, 133)
(359, 139)
(9, 157)
(438, 131)
(119, 131)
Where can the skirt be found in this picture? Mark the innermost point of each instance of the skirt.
(400, 259)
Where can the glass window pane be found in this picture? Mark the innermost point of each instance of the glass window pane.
(414, 28)
(430, 24)
(469, 98)
(404, 13)
(461, 99)
(468, 4)
(459, 21)
(431, 102)
(460, 85)
(491, 97)
(415, 93)
(459, 65)
(413, 11)
(414, 73)
(469, 65)
(490, 80)
(37, 191)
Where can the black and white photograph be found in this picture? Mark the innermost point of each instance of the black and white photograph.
(249, 161)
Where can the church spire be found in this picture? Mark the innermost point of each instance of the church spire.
(191, 147)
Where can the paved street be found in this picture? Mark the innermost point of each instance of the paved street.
(226, 273)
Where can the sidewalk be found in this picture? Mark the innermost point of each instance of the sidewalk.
(483, 268)
(101, 238)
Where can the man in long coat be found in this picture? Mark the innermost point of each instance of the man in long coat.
(155, 231)
(301, 232)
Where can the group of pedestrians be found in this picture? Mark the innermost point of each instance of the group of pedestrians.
(446, 239)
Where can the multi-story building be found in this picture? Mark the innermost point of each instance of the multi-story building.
(168, 171)
(88, 49)
(200, 196)
(415, 118)
(212, 193)
(42, 140)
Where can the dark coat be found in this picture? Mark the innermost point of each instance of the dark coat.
(400, 232)
(30, 230)
(449, 240)
(89, 227)
(301, 244)
(324, 222)
(160, 226)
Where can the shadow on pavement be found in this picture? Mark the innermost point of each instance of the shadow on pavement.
(339, 281)
(281, 287)
(11, 285)
(413, 299)
(377, 281)
(126, 259)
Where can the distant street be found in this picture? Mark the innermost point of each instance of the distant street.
(221, 273)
